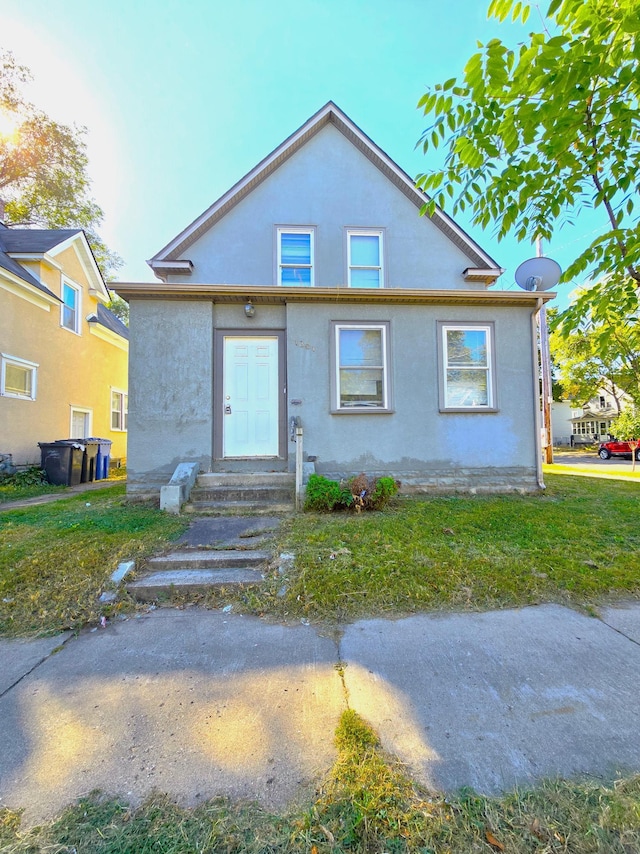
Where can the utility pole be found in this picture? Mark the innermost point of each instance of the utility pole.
(545, 371)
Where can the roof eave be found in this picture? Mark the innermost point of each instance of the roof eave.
(270, 294)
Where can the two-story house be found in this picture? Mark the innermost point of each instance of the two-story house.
(313, 289)
(64, 355)
(591, 422)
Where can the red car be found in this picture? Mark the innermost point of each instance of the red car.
(614, 448)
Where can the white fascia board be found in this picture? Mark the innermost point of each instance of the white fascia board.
(41, 257)
(482, 274)
(24, 290)
(97, 286)
(110, 337)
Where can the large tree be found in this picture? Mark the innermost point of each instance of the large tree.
(597, 356)
(536, 133)
(44, 180)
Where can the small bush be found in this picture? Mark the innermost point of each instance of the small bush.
(31, 476)
(359, 493)
(372, 493)
(324, 495)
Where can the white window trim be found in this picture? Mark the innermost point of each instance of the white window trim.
(366, 232)
(124, 411)
(84, 411)
(18, 363)
(336, 408)
(295, 229)
(490, 368)
(78, 290)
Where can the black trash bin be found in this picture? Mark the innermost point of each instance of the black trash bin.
(62, 461)
(89, 459)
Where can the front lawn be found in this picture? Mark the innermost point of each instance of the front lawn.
(56, 558)
(578, 543)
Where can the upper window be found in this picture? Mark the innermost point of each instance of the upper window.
(18, 378)
(360, 367)
(295, 251)
(467, 359)
(119, 410)
(365, 258)
(70, 307)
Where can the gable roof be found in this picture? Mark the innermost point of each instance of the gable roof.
(7, 263)
(38, 242)
(105, 317)
(329, 114)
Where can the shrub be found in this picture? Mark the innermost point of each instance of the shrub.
(372, 493)
(324, 495)
(359, 493)
(31, 476)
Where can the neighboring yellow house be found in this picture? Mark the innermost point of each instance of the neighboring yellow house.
(63, 354)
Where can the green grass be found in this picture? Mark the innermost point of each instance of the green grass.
(18, 487)
(56, 558)
(578, 543)
(366, 804)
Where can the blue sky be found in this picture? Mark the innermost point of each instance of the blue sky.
(181, 99)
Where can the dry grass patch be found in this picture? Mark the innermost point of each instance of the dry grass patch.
(367, 805)
(56, 558)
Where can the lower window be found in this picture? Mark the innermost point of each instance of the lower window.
(18, 378)
(467, 379)
(360, 367)
(119, 410)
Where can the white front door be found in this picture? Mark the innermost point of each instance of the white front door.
(250, 397)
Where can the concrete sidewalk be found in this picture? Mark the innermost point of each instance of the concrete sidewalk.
(201, 703)
(49, 497)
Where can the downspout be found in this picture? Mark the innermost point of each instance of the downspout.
(536, 384)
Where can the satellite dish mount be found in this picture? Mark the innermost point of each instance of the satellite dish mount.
(538, 274)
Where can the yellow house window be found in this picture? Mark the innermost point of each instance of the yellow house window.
(70, 317)
(119, 410)
(18, 378)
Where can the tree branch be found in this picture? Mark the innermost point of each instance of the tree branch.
(635, 275)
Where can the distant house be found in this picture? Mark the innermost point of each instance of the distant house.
(63, 371)
(592, 422)
(314, 290)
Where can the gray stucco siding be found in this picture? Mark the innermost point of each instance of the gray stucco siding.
(172, 405)
(329, 184)
(415, 439)
(170, 387)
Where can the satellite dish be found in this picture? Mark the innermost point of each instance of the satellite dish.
(538, 274)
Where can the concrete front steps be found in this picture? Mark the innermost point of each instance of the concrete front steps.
(197, 571)
(222, 493)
